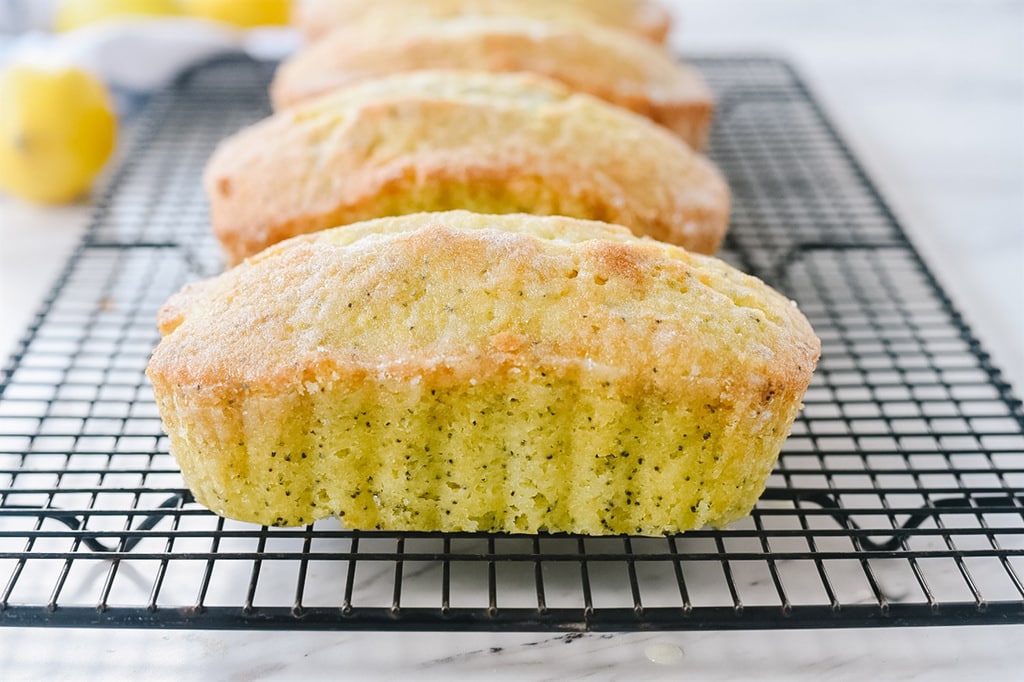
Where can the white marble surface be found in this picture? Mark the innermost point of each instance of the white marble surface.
(978, 653)
(931, 95)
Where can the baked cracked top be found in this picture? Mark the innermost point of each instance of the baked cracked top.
(461, 297)
(442, 140)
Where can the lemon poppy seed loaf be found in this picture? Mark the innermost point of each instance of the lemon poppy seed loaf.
(432, 141)
(612, 65)
(465, 372)
(316, 18)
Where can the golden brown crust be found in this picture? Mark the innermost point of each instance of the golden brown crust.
(367, 255)
(611, 65)
(495, 143)
(390, 363)
(316, 18)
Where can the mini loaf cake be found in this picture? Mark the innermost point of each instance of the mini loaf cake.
(465, 372)
(612, 65)
(315, 18)
(430, 141)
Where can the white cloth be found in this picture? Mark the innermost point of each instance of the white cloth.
(145, 54)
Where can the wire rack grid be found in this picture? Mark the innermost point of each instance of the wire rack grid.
(897, 500)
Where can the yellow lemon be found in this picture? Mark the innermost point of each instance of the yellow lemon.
(244, 13)
(57, 129)
(72, 14)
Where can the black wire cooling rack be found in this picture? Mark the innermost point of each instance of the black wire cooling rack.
(897, 500)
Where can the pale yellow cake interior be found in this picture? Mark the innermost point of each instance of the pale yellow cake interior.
(460, 372)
